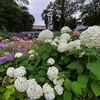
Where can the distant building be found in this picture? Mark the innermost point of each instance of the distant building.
(40, 28)
(81, 27)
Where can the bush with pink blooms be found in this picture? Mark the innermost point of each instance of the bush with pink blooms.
(60, 67)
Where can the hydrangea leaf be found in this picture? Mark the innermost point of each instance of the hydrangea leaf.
(96, 88)
(74, 65)
(45, 56)
(94, 68)
(67, 95)
(67, 83)
(42, 73)
(76, 88)
(82, 80)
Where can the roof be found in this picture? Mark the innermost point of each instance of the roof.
(80, 27)
(40, 27)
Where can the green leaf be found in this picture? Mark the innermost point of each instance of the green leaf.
(49, 47)
(94, 77)
(90, 94)
(76, 88)
(94, 68)
(76, 51)
(38, 60)
(74, 65)
(80, 69)
(67, 83)
(96, 88)
(45, 56)
(54, 54)
(2, 69)
(30, 67)
(2, 89)
(42, 79)
(66, 59)
(82, 80)
(42, 73)
(67, 95)
(10, 90)
(58, 67)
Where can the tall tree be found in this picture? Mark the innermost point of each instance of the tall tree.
(91, 13)
(61, 10)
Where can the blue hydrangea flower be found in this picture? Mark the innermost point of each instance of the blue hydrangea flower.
(10, 57)
(1, 46)
(14, 49)
(3, 60)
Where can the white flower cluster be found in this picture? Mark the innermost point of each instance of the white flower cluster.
(62, 47)
(10, 72)
(31, 51)
(59, 89)
(21, 84)
(74, 45)
(52, 73)
(48, 41)
(48, 92)
(18, 55)
(45, 34)
(91, 37)
(18, 72)
(53, 76)
(34, 90)
(65, 29)
(51, 61)
(66, 37)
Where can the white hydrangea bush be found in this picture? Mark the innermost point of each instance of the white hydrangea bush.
(45, 34)
(91, 37)
(65, 29)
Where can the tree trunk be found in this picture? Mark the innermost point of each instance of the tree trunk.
(62, 15)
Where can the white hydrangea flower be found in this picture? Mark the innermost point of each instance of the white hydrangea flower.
(62, 47)
(32, 55)
(56, 40)
(48, 92)
(51, 61)
(31, 52)
(81, 54)
(59, 89)
(48, 41)
(65, 36)
(54, 43)
(63, 41)
(21, 84)
(34, 91)
(91, 37)
(45, 34)
(52, 72)
(18, 55)
(19, 72)
(74, 45)
(58, 81)
(10, 72)
(65, 29)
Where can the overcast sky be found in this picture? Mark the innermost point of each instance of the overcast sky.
(36, 7)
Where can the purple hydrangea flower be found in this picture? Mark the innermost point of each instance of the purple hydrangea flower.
(1, 46)
(3, 60)
(14, 49)
(10, 57)
(22, 50)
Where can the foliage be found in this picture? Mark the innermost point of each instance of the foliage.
(81, 74)
(90, 12)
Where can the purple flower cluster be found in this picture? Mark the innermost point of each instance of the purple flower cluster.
(5, 58)
(14, 49)
(1, 46)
